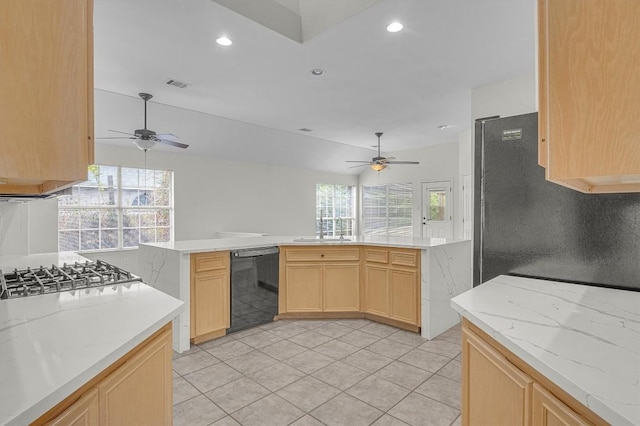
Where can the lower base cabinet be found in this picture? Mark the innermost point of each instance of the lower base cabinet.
(319, 280)
(337, 282)
(84, 412)
(393, 284)
(136, 390)
(210, 295)
(500, 389)
(550, 411)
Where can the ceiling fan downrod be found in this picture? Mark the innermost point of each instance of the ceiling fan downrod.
(145, 97)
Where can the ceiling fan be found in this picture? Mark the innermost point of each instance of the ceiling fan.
(380, 163)
(146, 139)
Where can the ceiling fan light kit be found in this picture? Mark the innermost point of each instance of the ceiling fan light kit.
(379, 162)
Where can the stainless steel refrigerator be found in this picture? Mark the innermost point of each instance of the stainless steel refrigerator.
(524, 225)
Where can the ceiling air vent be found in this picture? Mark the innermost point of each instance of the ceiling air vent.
(177, 83)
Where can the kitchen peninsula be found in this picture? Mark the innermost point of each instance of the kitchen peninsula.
(445, 271)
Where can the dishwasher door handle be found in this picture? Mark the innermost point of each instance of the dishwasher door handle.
(254, 252)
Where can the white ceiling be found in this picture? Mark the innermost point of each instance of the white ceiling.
(404, 84)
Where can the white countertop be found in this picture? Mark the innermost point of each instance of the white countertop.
(52, 344)
(585, 339)
(217, 244)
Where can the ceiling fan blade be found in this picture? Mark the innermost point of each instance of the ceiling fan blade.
(168, 137)
(359, 165)
(402, 162)
(356, 161)
(124, 133)
(170, 142)
(117, 137)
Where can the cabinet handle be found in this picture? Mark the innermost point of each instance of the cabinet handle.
(322, 255)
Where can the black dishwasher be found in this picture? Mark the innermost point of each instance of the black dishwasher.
(254, 287)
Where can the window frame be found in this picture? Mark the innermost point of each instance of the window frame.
(330, 222)
(121, 209)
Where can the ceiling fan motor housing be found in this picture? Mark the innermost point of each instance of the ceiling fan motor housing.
(144, 134)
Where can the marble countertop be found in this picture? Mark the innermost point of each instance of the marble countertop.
(585, 339)
(195, 246)
(52, 344)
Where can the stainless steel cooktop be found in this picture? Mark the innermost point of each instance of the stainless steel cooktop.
(79, 275)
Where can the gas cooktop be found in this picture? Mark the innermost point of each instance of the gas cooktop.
(79, 275)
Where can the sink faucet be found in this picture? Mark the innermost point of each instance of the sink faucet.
(321, 232)
(340, 228)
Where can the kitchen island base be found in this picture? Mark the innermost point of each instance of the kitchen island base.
(115, 396)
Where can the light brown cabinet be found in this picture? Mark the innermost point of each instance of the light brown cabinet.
(550, 411)
(84, 412)
(303, 292)
(210, 295)
(351, 282)
(135, 390)
(46, 94)
(140, 392)
(498, 388)
(589, 94)
(377, 289)
(392, 285)
(494, 391)
(316, 280)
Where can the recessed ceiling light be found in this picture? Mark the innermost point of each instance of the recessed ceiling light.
(224, 41)
(317, 71)
(394, 27)
(443, 126)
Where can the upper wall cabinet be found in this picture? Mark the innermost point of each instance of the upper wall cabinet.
(589, 93)
(46, 94)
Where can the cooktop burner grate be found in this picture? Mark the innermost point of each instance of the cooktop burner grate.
(42, 280)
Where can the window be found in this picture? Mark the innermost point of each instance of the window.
(387, 209)
(117, 207)
(335, 204)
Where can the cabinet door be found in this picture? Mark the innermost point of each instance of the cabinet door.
(46, 83)
(83, 412)
(550, 411)
(210, 301)
(341, 291)
(377, 290)
(494, 391)
(590, 93)
(303, 287)
(140, 392)
(404, 303)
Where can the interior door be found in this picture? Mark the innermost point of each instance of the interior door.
(437, 214)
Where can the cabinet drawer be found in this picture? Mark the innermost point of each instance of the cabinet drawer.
(404, 258)
(210, 261)
(320, 254)
(377, 256)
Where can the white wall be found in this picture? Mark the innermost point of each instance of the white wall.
(505, 98)
(437, 162)
(464, 168)
(214, 195)
(28, 227)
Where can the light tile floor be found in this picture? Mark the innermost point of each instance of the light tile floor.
(320, 372)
